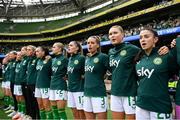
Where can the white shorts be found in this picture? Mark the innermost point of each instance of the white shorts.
(3, 84)
(7, 85)
(42, 92)
(18, 90)
(75, 100)
(142, 114)
(123, 104)
(95, 104)
(57, 95)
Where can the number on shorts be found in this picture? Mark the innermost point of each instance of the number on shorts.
(45, 90)
(163, 116)
(19, 89)
(80, 99)
(103, 102)
(60, 93)
(131, 101)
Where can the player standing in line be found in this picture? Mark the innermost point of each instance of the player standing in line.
(58, 87)
(43, 68)
(177, 98)
(96, 65)
(5, 78)
(154, 72)
(124, 82)
(124, 79)
(11, 69)
(31, 81)
(17, 85)
(23, 79)
(76, 79)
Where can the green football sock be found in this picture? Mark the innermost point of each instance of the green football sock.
(55, 112)
(23, 107)
(6, 100)
(11, 101)
(19, 107)
(42, 114)
(49, 115)
(62, 114)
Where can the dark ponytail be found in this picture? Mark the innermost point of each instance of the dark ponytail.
(138, 57)
(80, 50)
(46, 51)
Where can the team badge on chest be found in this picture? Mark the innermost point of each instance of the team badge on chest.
(59, 63)
(76, 62)
(123, 52)
(33, 62)
(96, 60)
(157, 61)
(44, 62)
(24, 62)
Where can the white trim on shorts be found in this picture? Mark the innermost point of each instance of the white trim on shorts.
(142, 114)
(8, 83)
(95, 104)
(57, 95)
(75, 100)
(18, 90)
(3, 84)
(42, 93)
(123, 104)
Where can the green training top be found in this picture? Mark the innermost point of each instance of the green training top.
(124, 80)
(43, 68)
(95, 69)
(59, 69)
(23, 70)
(75, 73)
(31, 71)
(177, 100)
(12, 67)
(154, 72)
(17, 73)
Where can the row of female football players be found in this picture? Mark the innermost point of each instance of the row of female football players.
(139, 79)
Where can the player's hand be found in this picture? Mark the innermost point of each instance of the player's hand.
(163, 50)
(173, 43)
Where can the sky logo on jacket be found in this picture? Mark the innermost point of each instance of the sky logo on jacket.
(70, 69)
(114, 63)
(145, 72)
(39, 67)
(54, 69)
(89, 68)
(24, 63)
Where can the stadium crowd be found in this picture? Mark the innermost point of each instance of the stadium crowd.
(130, 31)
